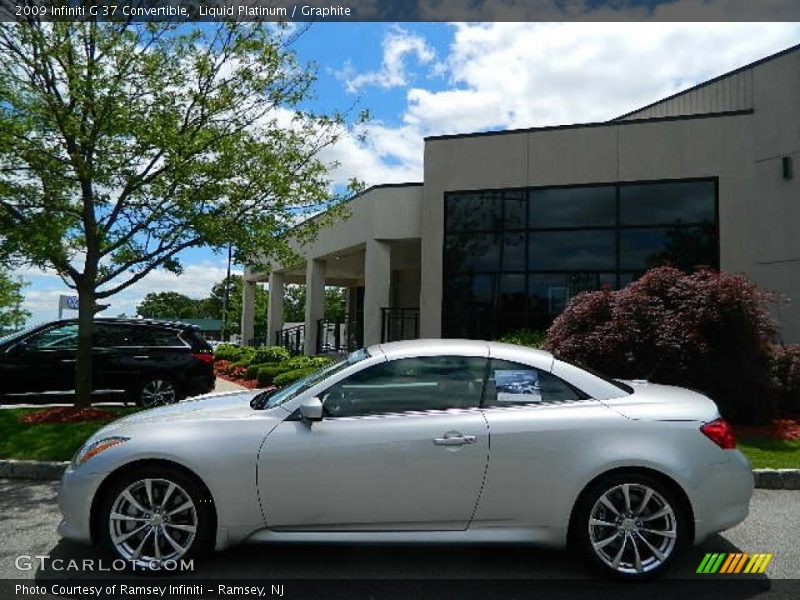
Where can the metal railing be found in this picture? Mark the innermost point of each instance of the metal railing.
(291, 338)
(399, 324)
(335, 336)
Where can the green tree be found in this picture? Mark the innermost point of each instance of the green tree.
(161, 305)
(294, 304)
(12, 316)
(215, 302)
(124, 144)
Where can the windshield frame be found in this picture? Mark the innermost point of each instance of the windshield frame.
(273, 398)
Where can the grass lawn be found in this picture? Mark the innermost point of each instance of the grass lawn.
(45, 441)
(766, 453)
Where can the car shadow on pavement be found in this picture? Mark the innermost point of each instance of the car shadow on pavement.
(510, 567)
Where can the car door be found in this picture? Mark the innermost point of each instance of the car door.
(42, 362)
(402, 445)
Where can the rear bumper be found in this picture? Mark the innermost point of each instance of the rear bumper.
(194, 386)
(722, 500)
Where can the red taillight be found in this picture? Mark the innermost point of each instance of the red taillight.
(203, 358)
(721, 433)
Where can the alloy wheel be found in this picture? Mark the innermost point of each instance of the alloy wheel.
(152, 521)
(633, 529)
(158, 392)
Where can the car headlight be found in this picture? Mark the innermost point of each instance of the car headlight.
(89, 450)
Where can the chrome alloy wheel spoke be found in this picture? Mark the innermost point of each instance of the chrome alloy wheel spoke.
(630, 540)
(141, 515)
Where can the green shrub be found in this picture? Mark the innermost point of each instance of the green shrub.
(290, 377)
(270, 354)
(228, 352)
(266, 374)
(252, 371)
(526, 337)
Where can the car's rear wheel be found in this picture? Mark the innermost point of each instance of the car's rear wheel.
(153, 516)
(631, 525)
(157, 391)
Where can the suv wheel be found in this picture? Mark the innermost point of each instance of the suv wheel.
(157, 392)
(632, 526)
(154, 515)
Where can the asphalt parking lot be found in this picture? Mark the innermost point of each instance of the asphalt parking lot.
(29, 516)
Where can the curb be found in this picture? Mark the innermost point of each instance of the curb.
(38, 470)
(767, 479)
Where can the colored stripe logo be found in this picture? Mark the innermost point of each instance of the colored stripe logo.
(734, 563)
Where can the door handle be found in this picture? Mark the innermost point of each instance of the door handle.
(68, 360)
(455, 440)
(141, 357)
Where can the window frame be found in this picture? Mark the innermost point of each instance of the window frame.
(419, 412)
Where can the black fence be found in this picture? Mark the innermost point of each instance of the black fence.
(399, 324)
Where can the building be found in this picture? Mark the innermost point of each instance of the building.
(508, 225)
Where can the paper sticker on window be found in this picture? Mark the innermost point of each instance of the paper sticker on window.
(517, 385)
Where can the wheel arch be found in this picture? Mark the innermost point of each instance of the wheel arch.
(114, 476)
(659, 475)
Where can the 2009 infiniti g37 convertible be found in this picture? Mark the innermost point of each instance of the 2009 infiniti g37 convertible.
(436, 440)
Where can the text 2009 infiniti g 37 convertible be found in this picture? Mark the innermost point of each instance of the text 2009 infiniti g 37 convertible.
(436, 440)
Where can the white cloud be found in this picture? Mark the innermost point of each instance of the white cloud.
(398, 45)
(513, 75)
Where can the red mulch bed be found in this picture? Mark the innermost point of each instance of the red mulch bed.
(250, 384)
(68, 414)
(779, 429)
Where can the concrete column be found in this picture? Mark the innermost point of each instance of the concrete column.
(248, 311)
(275, 308)
(315, 302)
(377, 288)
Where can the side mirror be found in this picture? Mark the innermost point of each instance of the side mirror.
(311, 410)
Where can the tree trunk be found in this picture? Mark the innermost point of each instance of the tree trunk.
(83, 365)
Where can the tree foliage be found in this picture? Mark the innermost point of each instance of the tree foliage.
(706, 330)
(12, 316)
(124, 144)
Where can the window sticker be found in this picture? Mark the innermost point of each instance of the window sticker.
(517, 385)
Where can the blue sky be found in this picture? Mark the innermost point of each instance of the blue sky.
(421, 79)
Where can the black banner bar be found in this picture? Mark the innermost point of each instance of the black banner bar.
(399, 10)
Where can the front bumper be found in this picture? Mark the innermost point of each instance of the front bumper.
(78, 488)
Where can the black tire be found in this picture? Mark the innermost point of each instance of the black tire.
(173, 523)
(635, 530)
(156, 391)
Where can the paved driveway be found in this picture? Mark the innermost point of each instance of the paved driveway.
(28, 519)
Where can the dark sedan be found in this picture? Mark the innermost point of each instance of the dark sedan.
(144, 361)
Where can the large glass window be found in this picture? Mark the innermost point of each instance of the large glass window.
(512, 384)
(515, 258)
(63, 337)
(408, 384)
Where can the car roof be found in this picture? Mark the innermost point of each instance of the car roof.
(432, 347)
(132, 321)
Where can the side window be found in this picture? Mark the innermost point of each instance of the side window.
(109, 335)
(408, 384)
(154, 337)
(64, 337)
(511, 383)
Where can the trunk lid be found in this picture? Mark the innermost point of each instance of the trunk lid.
(656, 402)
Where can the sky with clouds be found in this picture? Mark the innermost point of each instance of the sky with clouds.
(420, 79)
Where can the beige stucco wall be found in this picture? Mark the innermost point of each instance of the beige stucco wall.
(759, 211)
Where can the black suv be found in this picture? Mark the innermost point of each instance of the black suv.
(143, 361)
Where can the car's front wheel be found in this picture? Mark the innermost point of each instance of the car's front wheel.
(631, 525)
(155, 515)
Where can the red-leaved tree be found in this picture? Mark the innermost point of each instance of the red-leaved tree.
(705, 330)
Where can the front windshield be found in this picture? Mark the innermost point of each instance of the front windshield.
(275, 398)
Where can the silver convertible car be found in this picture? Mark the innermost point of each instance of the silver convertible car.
(421, 441)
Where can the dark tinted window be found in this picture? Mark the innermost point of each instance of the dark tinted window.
(474, 211)
(665, 203)
(572, 207)
(512, 383)
(474, 252)
(682, 247)
(580, 250)
(109, 335)
(63, 337)
(409, 384)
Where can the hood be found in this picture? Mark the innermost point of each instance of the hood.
(656, 402)
(225, 405)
